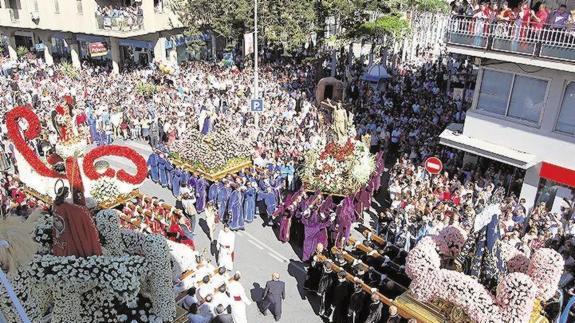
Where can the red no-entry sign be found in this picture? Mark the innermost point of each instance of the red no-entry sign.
(433, 165)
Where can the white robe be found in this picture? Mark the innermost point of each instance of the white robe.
(239, 301)
(226, 241)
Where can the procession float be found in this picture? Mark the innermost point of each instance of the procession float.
(213, 155)
(338, 169)
(490, 280)
(74, 261)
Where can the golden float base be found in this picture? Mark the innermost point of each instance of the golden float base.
(440, 311)
(211, 176)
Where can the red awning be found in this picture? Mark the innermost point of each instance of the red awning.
(558, 174)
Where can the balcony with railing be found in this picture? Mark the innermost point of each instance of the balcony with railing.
(534, 40)
(123, 19)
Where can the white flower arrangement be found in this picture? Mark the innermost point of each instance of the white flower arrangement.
(516, 292)
(104, 189)
(340, 169)
(107, 288)
(71, 149)
(213, 152)
(156, 252)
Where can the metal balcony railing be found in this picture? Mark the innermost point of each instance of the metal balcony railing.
(121, 23)
(514, 37)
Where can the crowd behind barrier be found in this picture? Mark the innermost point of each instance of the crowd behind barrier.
(120, 18)
(536, 30)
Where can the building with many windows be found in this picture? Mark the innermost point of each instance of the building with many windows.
(523, 111)
(120, 31)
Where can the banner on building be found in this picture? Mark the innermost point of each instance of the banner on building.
(248, 44)
(458, 94)
(98, 49)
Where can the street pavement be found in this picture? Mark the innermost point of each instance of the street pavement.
(258, 254)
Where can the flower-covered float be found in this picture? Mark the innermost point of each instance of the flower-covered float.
(338, 169)
(213, 155)
(91, 270)
(132, 280)
(494, 282)
(72, 160)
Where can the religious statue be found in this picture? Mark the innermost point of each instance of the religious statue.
(480, 256)
(74, 232)
(340, 121)
(63, 120)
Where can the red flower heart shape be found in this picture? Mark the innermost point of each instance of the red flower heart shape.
(122, 175)
(12, 118)
(34, 128)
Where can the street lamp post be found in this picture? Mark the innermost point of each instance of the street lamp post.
(256, 89)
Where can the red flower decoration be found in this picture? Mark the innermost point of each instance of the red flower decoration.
(60, 110)
(122, 175)
(69, 100)
(14, 133)
(74, 175)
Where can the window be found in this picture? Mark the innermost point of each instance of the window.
(56, 6)
(527, 99)
(79, 7)
(510, 95)
(566, 120)
(494, 92)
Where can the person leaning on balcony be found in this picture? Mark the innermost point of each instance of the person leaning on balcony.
(542, 16)
(506, 13)
(559, 18)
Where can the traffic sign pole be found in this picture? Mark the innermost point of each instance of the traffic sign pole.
(433, 165)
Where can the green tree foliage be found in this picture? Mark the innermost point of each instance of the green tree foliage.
(290, 22)
(392, 25)
(430, 5)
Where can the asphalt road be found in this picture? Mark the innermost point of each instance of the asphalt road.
(258, 254)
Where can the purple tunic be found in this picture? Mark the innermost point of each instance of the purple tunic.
(201, 186)
(314, 233)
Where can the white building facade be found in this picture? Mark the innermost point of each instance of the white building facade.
(523, 111)
(116, 30)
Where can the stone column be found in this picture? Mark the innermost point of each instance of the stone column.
(47, 41)
(160, 50)
(12, 47)
(530, 185)
(116, 59)
(75, 54)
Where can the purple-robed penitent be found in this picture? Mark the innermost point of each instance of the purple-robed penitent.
(236, 210)
(152, 163)
(314, 233)
(345, 218)
(201, 186)
(327, 206)
(165, 168)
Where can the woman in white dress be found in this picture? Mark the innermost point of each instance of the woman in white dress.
(226, 244)
(238, 299)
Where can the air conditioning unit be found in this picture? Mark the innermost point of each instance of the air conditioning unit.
(477, 61)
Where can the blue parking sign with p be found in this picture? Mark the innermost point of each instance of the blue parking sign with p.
(257, 105)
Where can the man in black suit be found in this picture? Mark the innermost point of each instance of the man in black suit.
(222, 316)
(274, 293)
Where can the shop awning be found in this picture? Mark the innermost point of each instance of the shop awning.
(135, 43)
(452, 137)
(557, 174)
(90, 38)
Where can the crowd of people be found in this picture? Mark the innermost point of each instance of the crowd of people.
(403, 117)
(119, 17)
(538, 15)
